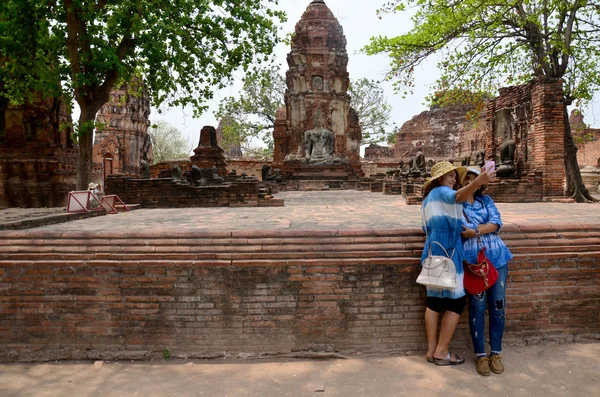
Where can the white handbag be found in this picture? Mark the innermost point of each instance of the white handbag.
(438, 271)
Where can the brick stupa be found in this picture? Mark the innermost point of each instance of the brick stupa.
(318, 135)
(208, 153)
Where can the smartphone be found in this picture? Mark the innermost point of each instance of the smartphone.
(489, 165)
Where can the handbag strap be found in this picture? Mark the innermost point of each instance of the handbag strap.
(445, 252)
(479, 241)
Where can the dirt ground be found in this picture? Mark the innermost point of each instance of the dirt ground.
(542, 370)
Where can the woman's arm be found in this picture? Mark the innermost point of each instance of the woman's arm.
(466, 192)
(493, 225)
(484, 228)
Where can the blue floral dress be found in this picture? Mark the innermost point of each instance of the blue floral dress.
(482, 211)
(443, 218)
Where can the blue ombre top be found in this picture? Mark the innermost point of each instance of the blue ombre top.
(443, 217)
(482, 211)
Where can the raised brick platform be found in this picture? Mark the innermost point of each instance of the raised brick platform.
(93, 295)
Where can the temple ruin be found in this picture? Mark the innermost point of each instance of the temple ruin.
(38, 156)
(317, 136)
(121, 143)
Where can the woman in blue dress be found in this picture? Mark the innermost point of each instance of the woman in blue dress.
(481, 222)
(442, 222)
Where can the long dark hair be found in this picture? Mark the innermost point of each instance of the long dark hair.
(430, 187)
(437, 183)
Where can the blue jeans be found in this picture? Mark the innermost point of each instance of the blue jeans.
(494, 300)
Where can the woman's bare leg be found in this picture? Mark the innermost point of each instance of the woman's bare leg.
(449, 323)
(431, 325)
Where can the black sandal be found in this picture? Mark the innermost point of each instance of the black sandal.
(448, 360)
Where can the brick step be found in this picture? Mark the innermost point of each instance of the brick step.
(555, 248)
(146, 248)
(289, 250)
(212, 241)
(514, 240)
(219, 263)
(25, 257)
(551, 242)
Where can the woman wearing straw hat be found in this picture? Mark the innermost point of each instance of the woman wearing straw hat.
(442, 222)
(481, 224)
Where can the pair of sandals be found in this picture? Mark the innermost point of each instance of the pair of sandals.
(446, 361)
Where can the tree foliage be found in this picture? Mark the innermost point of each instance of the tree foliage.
(485, 44)
(182, 50)
(368, 99)
(168, 143)
(252, 113)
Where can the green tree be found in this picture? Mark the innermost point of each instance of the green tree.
(369, 101)
(182, 50)
(168, 143)
(252, 113)
(484, 44)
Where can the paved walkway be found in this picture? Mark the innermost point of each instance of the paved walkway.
(319, 211)
(548, 370)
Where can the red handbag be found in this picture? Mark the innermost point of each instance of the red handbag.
(480, 276)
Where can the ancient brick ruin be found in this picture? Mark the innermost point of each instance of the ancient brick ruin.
(377, 153)
(209, 154)
(38, 157)
(317, 136)
(202, 181)
(232, 149)
(522, 130)
(587, 141)
(121, 139)
(442, 133)
(525, 135)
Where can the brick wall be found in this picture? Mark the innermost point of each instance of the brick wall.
(76, 295)
(441, 133)
(586, 139)
(370, 168)
(528, 189)
(376, 152)
(588, 153)
(251, 167)
(164, 193)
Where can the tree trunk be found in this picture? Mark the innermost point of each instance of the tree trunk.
(575, 187)
(86, 146)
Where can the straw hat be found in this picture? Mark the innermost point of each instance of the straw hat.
(442, 168)
(92, 185)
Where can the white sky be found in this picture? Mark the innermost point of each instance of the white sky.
(360, 22)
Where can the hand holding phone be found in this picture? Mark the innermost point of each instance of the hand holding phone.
(489, 165)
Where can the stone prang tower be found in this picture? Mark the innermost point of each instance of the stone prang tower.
(320, 130)
(121, 141)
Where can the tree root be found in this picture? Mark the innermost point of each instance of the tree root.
(583, 196)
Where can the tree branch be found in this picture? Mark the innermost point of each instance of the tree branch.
(568, 33)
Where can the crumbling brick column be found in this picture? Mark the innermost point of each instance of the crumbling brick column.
(548, 134)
